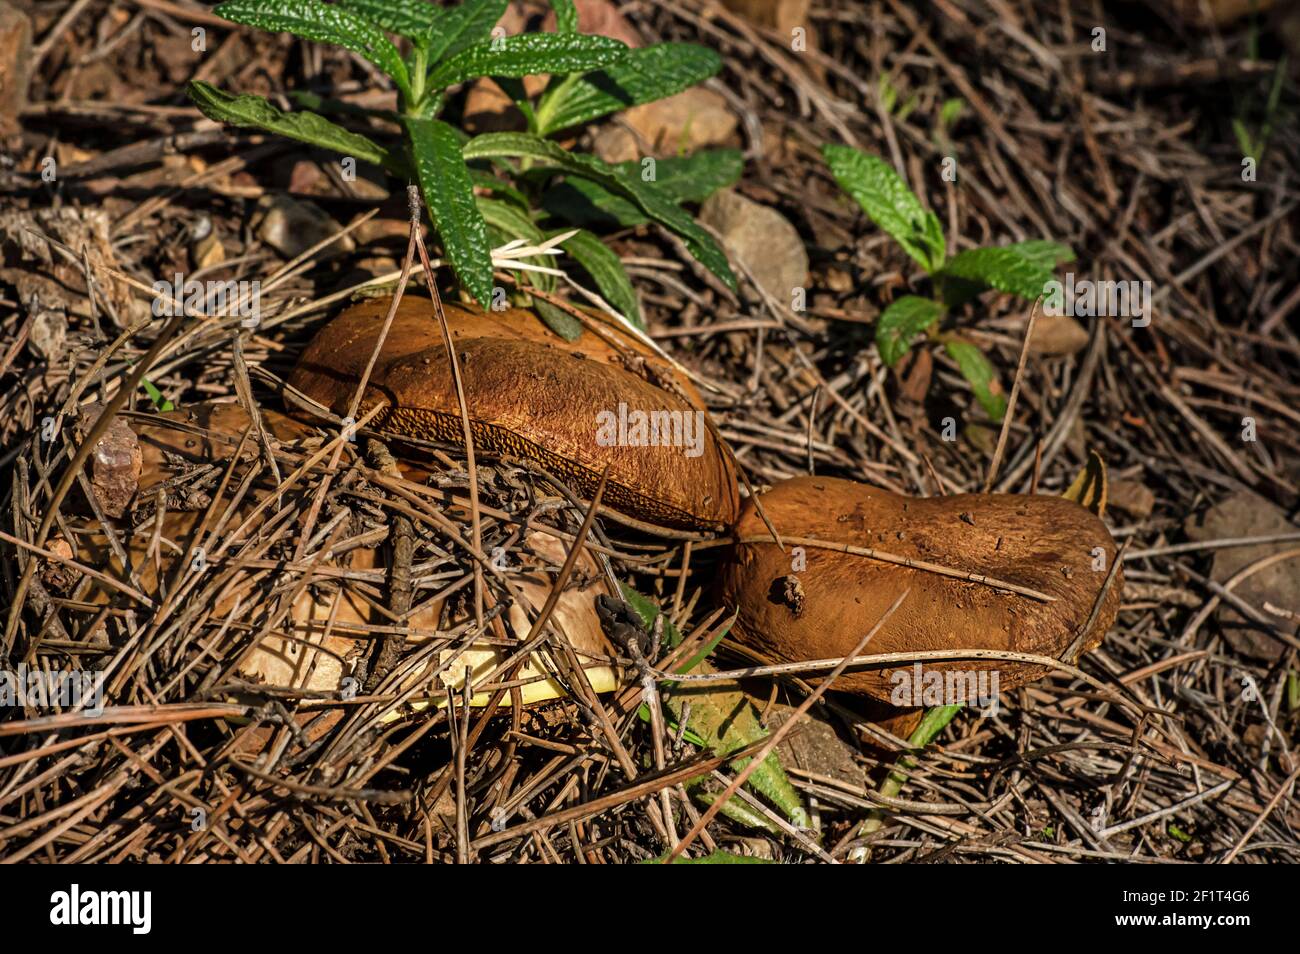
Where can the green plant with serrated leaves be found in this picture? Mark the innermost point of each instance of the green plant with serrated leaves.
(1021, 269)
(486, 190)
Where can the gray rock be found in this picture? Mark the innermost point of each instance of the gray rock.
(291, 226)
(1245, 514)
(763, 239)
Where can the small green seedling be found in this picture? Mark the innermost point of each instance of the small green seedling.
(484, 191)
(160, 403)
(1253, 137)
(1021, 269)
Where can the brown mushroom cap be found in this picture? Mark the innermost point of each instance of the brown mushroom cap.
(325, 639)
(1041, 542)
(531, 395)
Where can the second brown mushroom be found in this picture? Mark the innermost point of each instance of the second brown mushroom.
(1000, 572)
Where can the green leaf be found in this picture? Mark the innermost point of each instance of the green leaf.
(1002, 267)
(254, 112)
(529, 53)
(458, 28)
(707, 649)
(558, 320)
(583, 203)
(606, 270)
(512, 222)
(951, 111)
(886, 92)
(728, 721)
(901, 322)
(409, 18)
(324, 23)
(449, 194)
(648, 199)
(888, 202)
(643, 76)
(933, 722)
(695, 177)
(690, 178)
(1043, 252)
(737, 809)
(509, 218)
(485, 180)
(566, 16)
(980, 374)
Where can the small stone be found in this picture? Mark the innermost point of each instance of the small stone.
(208, 251)
(763, 239)
(1245, 514)
(783, 16)
(116, 465)
(57, 575)
(1133, 497)
(306, 178)
(839, 280)
(1056, 335)
(49, 335)
(291, 226)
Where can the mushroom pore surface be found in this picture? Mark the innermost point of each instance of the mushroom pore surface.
(1046, 543)
(530, 395)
